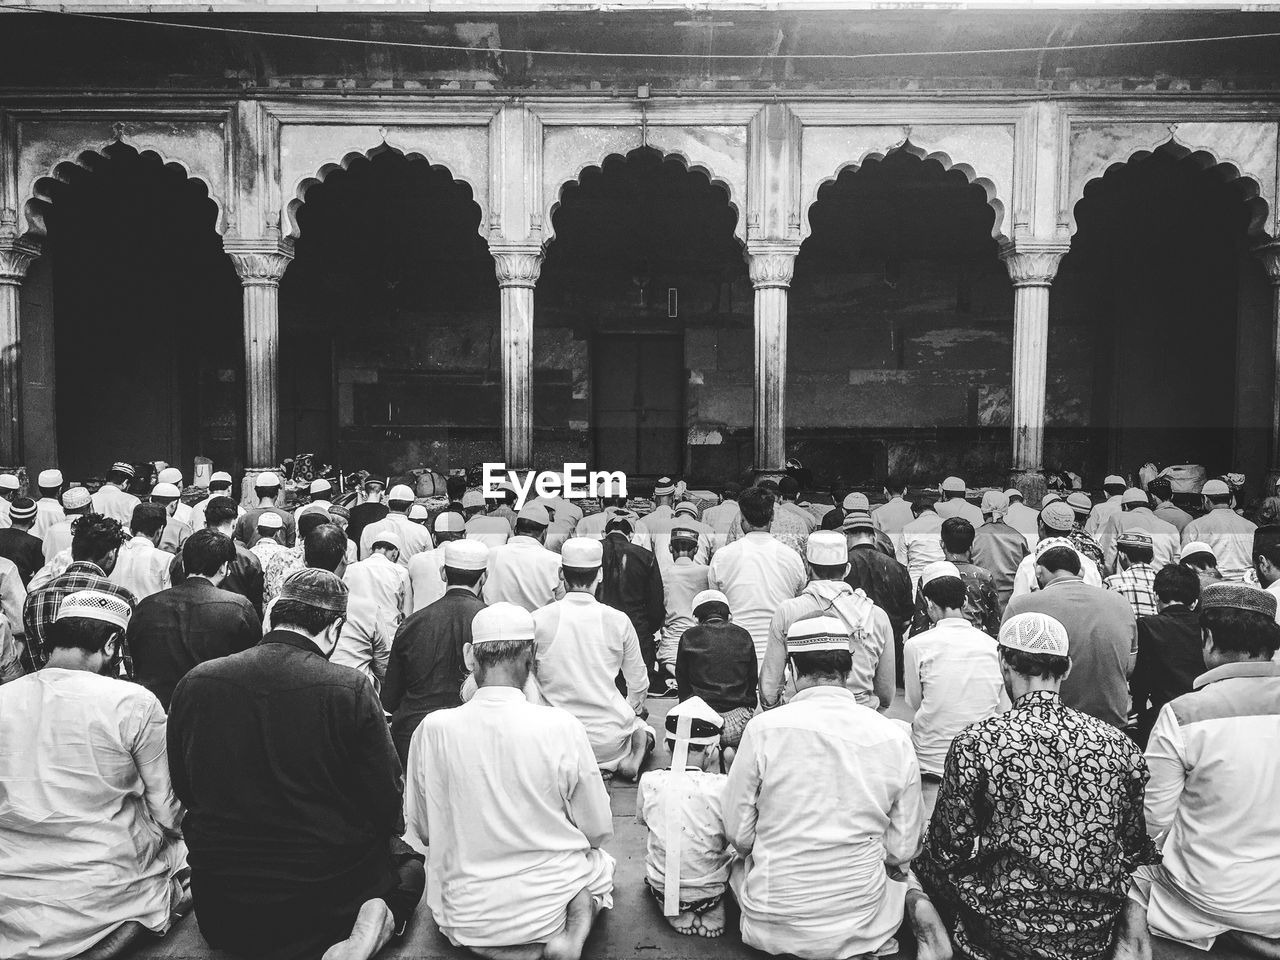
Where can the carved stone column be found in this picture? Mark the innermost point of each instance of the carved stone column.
(1032, 265)
(517, 268)
(1269, 254)
(771, 266)
(260, 265)
(16, 257)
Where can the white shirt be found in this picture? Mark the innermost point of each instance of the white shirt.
(56, 539)
(721, 519)
(921, 544)
(565, 510)
(111, 501)
(682, 580)
(505, 799)
(383, 584)
(13, 596)
(5, 522)
(705, 853)
(141, 567)
(582, 645)
(1229, 536)
(414, 537)
(49, 512)
(822, 794)
(1026, 521)
(426, 579)
(1024, 581)
(492, 531)
(891, 517)
(1165, 538)
(593, 525)
(363, 645)
(1100, 515)
(959, 507)
(951, 675)
(524, 572)
(756, 573)
(89, 824)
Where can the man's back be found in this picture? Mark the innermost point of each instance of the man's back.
(111, 501)
(756, 573)
(999, 548)
(491, 530)
(632, 583)
(1229, 535)
(922, 543)
(1103, 635)
(1170, 513)
(524, 572)
(175, 629)
(1170, 657)
(1026, 521)
(717, 662)
(959, 507)
(885, 581)
(246, 530)
(414, 538)
(26, 551)
(141, 568)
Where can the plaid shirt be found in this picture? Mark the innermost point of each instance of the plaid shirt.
(42, 607)
(1137, 585)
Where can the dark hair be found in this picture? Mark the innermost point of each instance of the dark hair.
(261, 492)
(205, 551)
(756, 506)
(50, 492)
(93, 536)
(924, 501)
(296, 614)
(895, 483)
(1200, 560)
(456, 577)
(24, 503)
(220, 510)
(528, 528)
(489, 655)
(1137, 552)
(79, 633)
(1219, 501)
(957, 535)
(580, 577)
(1043, 665)
(730, 491)
(1266, 543)
(148, 519)
(1160, 488)
(1242, 631)
(325, 547)
(218, 485)
(120, 478)
(823, 664)
(311, 521)
(1060, 558)
(455, 486)
(947, 592)
(828, 571)
(1114, 488)
(789, 487)
(1175, 583)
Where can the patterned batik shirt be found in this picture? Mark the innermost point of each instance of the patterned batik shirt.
(1138, 586)
(42, 607)
(1087, 546)
(277, 568)
(1038, 825)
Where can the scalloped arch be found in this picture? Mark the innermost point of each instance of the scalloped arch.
(1248, 188)
(304, 185)
(906, 146)
(739, 226)
(40, 194)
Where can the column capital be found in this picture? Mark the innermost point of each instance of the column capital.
(259, 261)
(16, 257)
(517, 265)
(1269, 254)
(1033, 263)
(771, 264)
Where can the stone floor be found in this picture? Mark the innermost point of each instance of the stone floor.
(633, 930)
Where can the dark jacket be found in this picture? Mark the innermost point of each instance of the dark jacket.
(1170, 657)
(26, 552)
(293, 793)
(425, 672)
(244, 576)
(717, 662)
(175, 629)
(632, 583)
(885, 581)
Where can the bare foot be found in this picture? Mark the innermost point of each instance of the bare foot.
(369, 934)
(568, 943)
(932, 940)
(642, 743)
(709, 924)
(1133, 938)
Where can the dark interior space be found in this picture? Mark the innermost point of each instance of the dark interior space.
(389, 322)
(644, 267)
(147, 342)
(900, 318)
(1159, 280)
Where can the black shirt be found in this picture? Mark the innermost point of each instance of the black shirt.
(717, 662)
(26, 552)
(885, 581)
(244, 576)
(1170, 657)
(632, 583)
(363, 514)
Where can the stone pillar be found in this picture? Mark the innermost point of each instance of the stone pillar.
(517, 268)
(260, 265)
(1032, 267)
(771, 266)
(16, 257)
(1269, 254)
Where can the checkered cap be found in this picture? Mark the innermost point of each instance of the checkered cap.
(1238, 596)
(94, 605)
(1035, 633)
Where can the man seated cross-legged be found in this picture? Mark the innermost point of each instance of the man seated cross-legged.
(505, 798)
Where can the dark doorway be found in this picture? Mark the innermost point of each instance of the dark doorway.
(639, 403)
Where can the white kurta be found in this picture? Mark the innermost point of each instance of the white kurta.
(492, 531)
(414, 536)
(426, 580)
(1229, 536)
(921, 544)
(1165, 538)
(705, 853)
(959, 507)
(505, 799)
(890, 518)
(756, 573)
(822, 795)
(1026, 521)
(141, 568)
(383, 584)
(88, 819)
(582, 645)
(1024, 581)
(13, 595)
(111, 501)
(721, 518)
(49, 512)
(1101, 515)
(524, 572)
(681, 582)
(56, 539)
(363, 645)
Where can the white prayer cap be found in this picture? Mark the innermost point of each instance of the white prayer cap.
(939, 568)
(400, 492)
(1051, 543)
(220, 476)
(1013, 492)
(534, 513)
(1212, 488)
(703, 728)
(9, 482)
(419, 512)
(320, 485)
(49, 479)
(1134, 495)
(687, 507)
(312, 508)
(169, 475)
(447, 522)
(472, 498)
(582, 552)
(123, 466)
(1079, 501)
(75, 498)
(500, 622)
(995, 502)
(708, 596)
(817, 634)
(856, 501)
(664, 486)
(1194, 547)
(165, 491)
(270, 520)
(388, 538)
(266, 479)
(466, 555)
(953, 485)
(95, 605)
(1058, 516)
(1035, 633)
(1049, 498)
(827, 548)
(1113, 480)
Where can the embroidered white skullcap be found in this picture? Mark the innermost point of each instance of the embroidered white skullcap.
(9, 482)
(123, 466)
(270, 520)
(689, 508)
(664, 486)
(419, 512)
(169, 475)
(816, 634)
(266, 479)
(1079, 501)
(1215, 488)
(953, 485)
(1113, 480)
(701, 716)
(466, 555)
(76, 497)
(534, 513)
(165, 490)
(993, 501)
(1013, 492)
(94, 605)
(1058, 516)
(472, 498)
(939, 568)
(1049, 543)
(320, 485)
(1194, 547)
(856, 501)
(1049, 498)
(500, 622)
(447, 522)
(582, 552)
(220, 476)
(400, 492)
(708, 596)
(1134, 495)
(49, 479)
(1035, 633)
(827, 548)
(387, 538)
